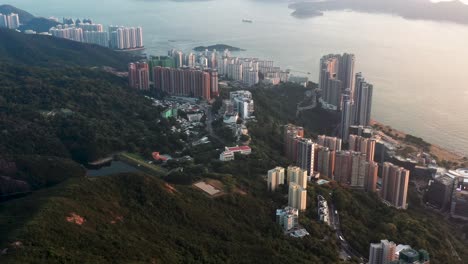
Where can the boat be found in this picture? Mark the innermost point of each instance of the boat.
(245, 20)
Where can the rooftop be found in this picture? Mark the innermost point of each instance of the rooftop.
(239, 148)
(463, 172)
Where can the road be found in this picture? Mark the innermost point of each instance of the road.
(346, 249)
(209, 120)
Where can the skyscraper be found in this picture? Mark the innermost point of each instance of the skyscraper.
(346, 72)
(395, 185)
(305, 155)
(214, 83)
(343, 167)
(291, 133)
(363, 145)
(276, 177)
(326, 162)
(359, 171)
(362, 101)
(336, 76)
(138, 75)
(372, 175)
(297, 197)
(333, 143)
(382, 253)
(346, 114)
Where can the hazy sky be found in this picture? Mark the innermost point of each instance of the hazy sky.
(464, 1)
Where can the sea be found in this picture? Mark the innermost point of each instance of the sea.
(419, 68)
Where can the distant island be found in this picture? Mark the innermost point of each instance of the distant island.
(217, 47)
(453, 11)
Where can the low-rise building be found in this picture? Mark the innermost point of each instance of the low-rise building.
(229, 152)
(287, 218)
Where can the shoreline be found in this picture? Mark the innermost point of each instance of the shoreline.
(436, 150)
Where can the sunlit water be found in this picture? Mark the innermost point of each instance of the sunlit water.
(419, 68)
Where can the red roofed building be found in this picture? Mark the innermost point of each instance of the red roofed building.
(229, 152)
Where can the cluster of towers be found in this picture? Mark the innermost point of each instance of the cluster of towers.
(354, 167)
(118, 37)
(185, 81)
(10, 21)
(345, 91)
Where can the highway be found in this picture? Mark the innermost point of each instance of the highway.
(347, 251)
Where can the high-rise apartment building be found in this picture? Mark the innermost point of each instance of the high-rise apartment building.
(305, 155)
(250, 76)
(362, 101)
(122, 38)
(297, 176)
(336, 75)
(343, 167)
(359, 170)
(333, 143)
(214, 83)
(291, 133)
(96, 37)
(382, 253)
(234, 72)
(352, 168)
(67, 32)
(372, 176)
(185, 82)
(276, 177)
(297, 197)
(138, 75)
(395, 185)
(10, 21)
(346, 115)
(363, 145)
(325, 161)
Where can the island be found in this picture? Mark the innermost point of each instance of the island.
(217, 47)
(451, 11)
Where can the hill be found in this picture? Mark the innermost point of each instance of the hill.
(47, 51)
(39, 24)
(24, 16)
(137, 219)
(76, 113)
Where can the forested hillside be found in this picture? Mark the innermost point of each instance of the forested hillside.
(76, 113)
(47, 51)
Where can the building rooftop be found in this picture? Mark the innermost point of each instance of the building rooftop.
(239, 148)
(463, 172)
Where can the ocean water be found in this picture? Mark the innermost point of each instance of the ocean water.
(419, 68)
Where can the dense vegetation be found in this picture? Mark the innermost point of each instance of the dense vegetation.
(47, 51)
(218, 47)
(279, 105)
(136, 218)
(85, 114)
(365, 219)
(76, 113)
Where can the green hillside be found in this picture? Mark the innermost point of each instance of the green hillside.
(76, 113)
(47, 51)
(137, 219)
(24, 16)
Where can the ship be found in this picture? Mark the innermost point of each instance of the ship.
(245, 20)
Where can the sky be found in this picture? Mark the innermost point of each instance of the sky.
(464, 1)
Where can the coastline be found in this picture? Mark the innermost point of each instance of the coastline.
(436, 150)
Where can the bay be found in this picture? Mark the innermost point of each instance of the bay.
(418, 68)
